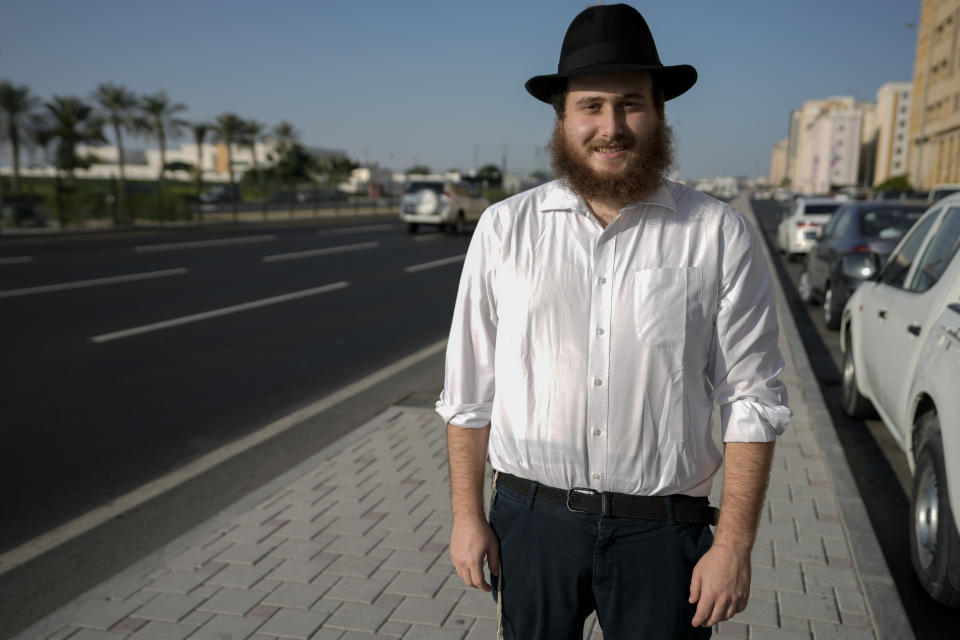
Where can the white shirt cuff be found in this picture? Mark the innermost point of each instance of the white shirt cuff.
(471, 416)
(747, 420)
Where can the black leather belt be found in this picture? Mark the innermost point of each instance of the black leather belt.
(676, 508)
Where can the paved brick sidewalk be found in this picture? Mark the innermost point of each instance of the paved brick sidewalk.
(352, 545)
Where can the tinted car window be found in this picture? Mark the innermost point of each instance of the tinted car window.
(942, 248)
(830, 230)
(414, 187)
(843, 223)
(895, 273)
(887, 224)
(820, 208)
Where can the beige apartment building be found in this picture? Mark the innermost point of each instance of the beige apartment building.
(778, 163)
(893, 123)
(827, 140)
(934, 152)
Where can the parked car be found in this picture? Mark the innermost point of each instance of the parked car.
(900, 337)
(442, 203)
(220, 194)
(856, 227)
(940, 191)
(798, 231)
(322, 195)
(285, 196)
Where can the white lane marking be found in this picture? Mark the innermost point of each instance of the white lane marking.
(94, 518)
(364, 229)
(16, 260)
(434, 263)
(96, 282)
(428, 237)
(200, 244)
(296, 255)
(166, 324)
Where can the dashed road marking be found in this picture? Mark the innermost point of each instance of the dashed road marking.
(16, 260)
(296, 255)
(96, 282)
(428, 237)
(200, 244)
(364, 229)
(214, 313)
(435, 263)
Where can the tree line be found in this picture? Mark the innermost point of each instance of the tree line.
(64, 123)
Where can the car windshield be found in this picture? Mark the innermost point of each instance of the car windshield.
(820, 208)
(940, 193)
(414, 187)
(888, 224)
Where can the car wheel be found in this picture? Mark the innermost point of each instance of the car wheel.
(831, 315)
(805, 287)
(933, 535)
(854, 404)
(459, 226)
(412, 227)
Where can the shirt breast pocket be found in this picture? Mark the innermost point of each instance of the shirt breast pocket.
(664, 300)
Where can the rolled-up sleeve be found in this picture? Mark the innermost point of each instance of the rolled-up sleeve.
(745, 358)
(469, 385)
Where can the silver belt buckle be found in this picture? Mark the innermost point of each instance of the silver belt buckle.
(583, 491)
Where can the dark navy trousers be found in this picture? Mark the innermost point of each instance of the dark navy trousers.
(558, 566)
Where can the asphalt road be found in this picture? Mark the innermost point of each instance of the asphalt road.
(259, 323)
(86, 420)
(879, 466)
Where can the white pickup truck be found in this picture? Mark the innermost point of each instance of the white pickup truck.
(441, 203)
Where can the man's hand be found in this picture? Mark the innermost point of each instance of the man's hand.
(473, 540)
(720, 585)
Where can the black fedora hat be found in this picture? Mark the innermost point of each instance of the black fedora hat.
(610, 39)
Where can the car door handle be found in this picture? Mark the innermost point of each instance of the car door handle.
(914, 329)
(882, 313)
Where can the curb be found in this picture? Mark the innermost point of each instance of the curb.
(879, 590)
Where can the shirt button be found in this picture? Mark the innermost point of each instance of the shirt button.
(596, 476)
(596, 432)
(600, 331)
(597, 382)
(603, 280)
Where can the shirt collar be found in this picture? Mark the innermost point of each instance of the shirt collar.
(562, 198)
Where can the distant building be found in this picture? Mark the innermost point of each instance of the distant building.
(893, 122)
(778, 162)
(830, 141)
(144, 164)
(934, 152)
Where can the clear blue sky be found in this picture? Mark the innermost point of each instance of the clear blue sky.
(441, 83)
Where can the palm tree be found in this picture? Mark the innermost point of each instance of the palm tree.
(251, 135)
(117, 105)
(200, 131)
(285, 135)
(229, 130)
(71, 122)
(285, 138)
(158, 119)
(16, 103)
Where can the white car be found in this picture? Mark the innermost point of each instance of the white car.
(441, 203)
(799, 230)
(901, 343)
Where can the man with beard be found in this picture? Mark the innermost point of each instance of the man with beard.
(598, 319)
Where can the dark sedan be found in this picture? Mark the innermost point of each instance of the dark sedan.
(856, 227)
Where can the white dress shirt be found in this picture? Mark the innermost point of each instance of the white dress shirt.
(596, 354)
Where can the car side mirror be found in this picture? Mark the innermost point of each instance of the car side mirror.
(860, 266)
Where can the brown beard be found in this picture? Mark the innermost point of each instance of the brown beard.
(643, 175)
